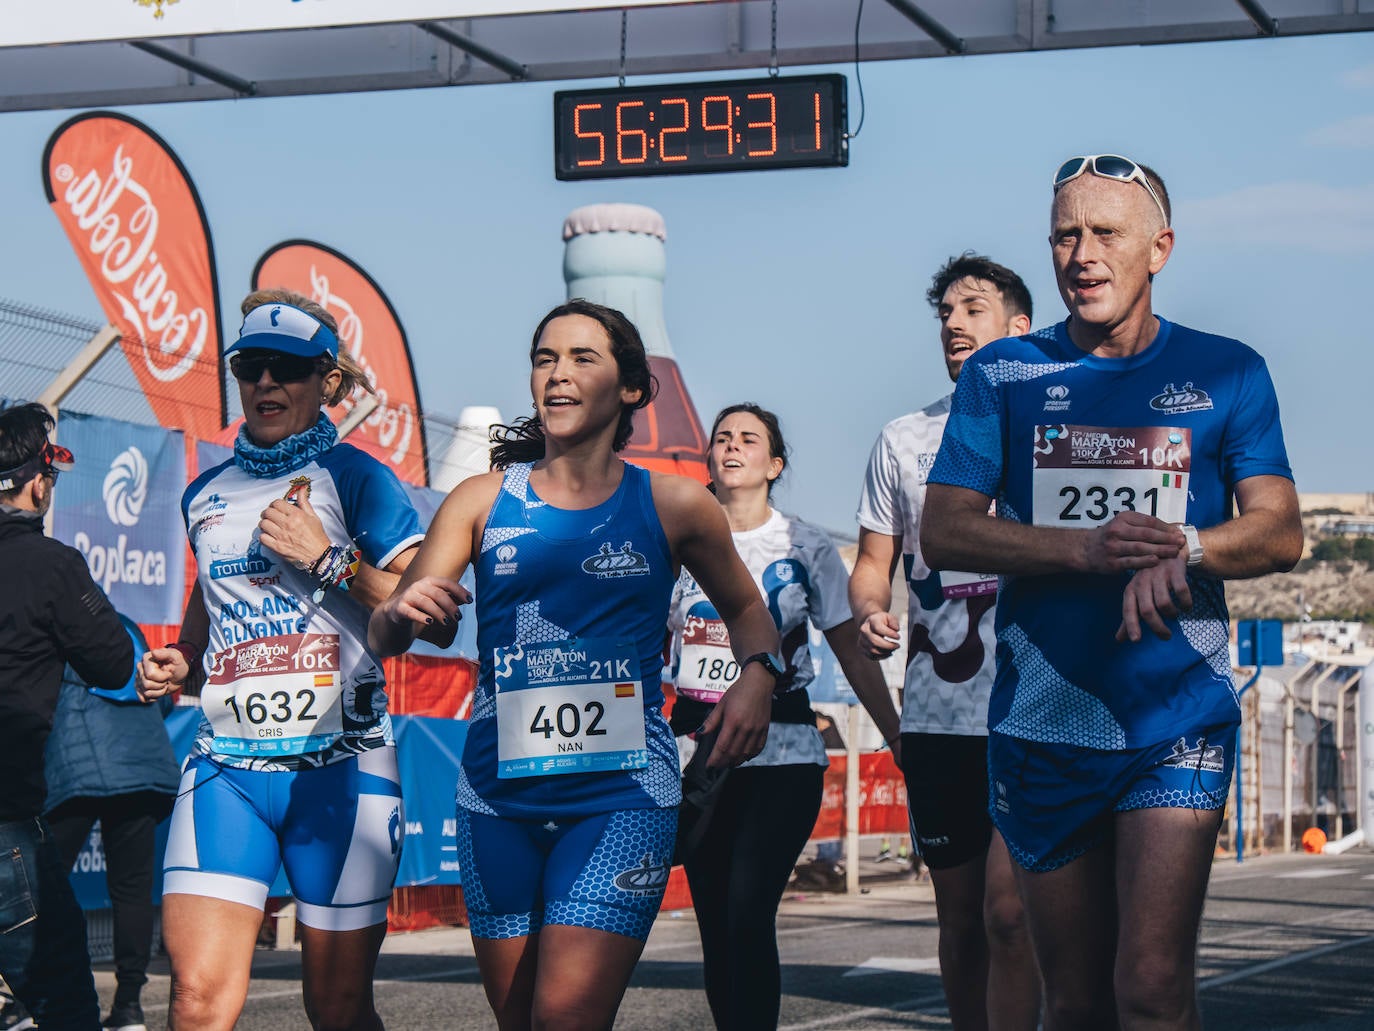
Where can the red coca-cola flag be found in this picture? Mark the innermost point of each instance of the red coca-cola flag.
(139, 230)
(372, 333)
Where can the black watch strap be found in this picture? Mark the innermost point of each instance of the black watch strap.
(768, 661)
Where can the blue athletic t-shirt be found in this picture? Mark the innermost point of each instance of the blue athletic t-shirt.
(572, 608)
(1063, 438)
(290, 682)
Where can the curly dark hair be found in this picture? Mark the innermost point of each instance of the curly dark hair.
(1016, 298)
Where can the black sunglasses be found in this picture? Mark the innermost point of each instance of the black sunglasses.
(248, 366)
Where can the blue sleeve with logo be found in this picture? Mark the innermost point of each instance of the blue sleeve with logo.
(378, 513)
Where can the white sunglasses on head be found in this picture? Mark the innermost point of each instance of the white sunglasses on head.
(1108, 166)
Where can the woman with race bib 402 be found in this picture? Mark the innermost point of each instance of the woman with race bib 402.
(295, 539)
(568, 792)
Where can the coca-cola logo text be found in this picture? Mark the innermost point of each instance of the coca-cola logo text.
(393, 425)
(119, 220)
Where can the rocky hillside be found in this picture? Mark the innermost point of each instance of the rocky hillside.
(1332, 590)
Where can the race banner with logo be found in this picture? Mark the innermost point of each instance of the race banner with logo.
(139, 231)
(372, 333)
(120, 507)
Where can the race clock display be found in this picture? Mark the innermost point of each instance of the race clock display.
(783, 122)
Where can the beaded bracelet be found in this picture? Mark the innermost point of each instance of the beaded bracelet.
(336, 567)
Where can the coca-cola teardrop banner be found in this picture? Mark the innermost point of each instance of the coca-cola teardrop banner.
(139, 230)
(372, 333)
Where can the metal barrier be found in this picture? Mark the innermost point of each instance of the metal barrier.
(1299, 754)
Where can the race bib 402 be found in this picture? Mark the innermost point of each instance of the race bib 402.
(571, 706)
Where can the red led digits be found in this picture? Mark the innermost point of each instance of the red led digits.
(621, 133)
(778, 122)
(771, 125)
(599, 137)
(727, 127)
(663, 133)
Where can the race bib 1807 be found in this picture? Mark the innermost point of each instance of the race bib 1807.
(706, 665)
(275, 695)
(1084, 476)
(573, 706)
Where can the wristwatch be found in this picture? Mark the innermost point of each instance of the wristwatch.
(768, 661)
(1194, 543)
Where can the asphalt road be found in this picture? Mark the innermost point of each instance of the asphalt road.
(1287, 943)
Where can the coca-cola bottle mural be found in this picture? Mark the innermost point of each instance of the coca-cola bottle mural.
(614, 255)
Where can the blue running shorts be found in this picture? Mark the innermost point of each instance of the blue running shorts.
(607, 871)
(1054, 802)
(337, 829)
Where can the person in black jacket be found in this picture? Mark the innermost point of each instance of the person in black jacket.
(51, 614)
(109, 759)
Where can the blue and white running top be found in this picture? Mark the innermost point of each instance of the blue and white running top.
(1063, 438)
(571, 609)
(290, 683)
(802, 580)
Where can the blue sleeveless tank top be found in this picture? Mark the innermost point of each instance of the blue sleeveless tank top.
(572, 608)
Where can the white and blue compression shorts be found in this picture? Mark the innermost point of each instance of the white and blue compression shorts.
(337, 829)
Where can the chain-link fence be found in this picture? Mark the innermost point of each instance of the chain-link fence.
(36, 344)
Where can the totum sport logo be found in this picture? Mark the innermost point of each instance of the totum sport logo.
(126, 487)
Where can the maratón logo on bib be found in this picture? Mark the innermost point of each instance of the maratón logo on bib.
(608, 562)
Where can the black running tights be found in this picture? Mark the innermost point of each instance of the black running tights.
(737, 874)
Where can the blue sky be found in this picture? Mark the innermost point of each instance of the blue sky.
(803, 290)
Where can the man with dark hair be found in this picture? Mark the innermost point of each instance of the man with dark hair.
(52, 613)
(1135, 465)
(949, 672)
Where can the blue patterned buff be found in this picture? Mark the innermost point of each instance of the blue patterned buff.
(287, 456)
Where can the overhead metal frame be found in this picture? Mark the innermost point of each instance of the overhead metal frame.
(720, 35)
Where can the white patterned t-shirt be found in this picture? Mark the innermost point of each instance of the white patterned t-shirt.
(951, 641)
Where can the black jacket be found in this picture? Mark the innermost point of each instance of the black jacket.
(51, 613)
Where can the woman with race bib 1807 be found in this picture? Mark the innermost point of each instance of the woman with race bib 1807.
(568, 792)
(740, 858)
(295, 539)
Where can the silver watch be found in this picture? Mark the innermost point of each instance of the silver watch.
(1194, 542)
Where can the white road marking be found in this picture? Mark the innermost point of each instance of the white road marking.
(894, 965)
(1283, 961)
(1312, 875)
(934, 1003)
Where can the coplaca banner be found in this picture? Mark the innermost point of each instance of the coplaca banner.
(121, 508)
(139, 231)
(371, 331)
(81, 21)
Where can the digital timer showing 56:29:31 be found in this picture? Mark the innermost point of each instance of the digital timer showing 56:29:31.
(776, 122)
